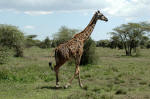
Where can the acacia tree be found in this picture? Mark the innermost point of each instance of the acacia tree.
(131, 35)
(115, 42)
(31, 41)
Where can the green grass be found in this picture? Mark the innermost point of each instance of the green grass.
(117, 76)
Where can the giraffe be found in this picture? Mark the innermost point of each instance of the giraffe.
(74, 49)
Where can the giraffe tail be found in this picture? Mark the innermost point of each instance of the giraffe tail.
(50, 65)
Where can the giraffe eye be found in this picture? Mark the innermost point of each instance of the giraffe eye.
(99, 14)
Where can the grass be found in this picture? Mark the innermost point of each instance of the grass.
(117, 76)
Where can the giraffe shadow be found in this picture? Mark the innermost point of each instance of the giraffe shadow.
(50, 87)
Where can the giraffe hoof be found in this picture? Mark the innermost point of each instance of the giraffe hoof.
(81, 85)
(67, 86)
(57, 86)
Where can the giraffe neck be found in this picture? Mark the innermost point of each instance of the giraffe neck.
(85, 34)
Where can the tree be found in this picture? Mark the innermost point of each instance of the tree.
(115, 42)
(103, 43)
(64, 34)
(144, 42)
(30, 41)
(12, 37)
(148, 44)
(131, 35)
(47, 43)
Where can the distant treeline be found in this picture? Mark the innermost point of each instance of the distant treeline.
(113, 43)
(127, 36)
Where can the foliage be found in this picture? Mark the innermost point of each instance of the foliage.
(115, 42)
(19, 51)
(131, 35)
(30, 41)
(4, 54)
(144, 41)
(47, 43)
(103, 43)
(12, 37)
(148, 44)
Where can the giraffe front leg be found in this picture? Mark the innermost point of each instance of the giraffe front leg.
(75, 74)
(78, 69)
(80, 83)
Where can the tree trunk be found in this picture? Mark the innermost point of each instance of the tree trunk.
(19, 51)
(127, 49)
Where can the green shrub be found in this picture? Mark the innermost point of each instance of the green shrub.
(89, 55)
(12, 37)
(46, 43)
(148, 44)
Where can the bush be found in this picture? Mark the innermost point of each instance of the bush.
(12, 37)
(3, 55)
(89, 55)
(148, 44)
(46, 43)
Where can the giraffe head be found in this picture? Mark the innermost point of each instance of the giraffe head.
(100, 16)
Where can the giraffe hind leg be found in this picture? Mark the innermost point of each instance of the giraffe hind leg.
(50, 65)
(56, 69)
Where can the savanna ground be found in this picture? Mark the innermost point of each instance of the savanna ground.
(116, 77)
